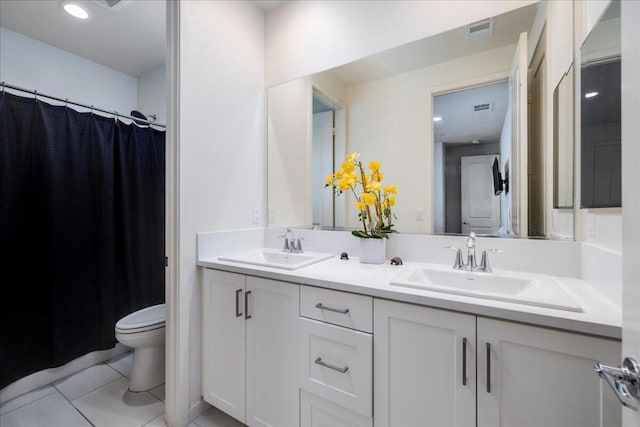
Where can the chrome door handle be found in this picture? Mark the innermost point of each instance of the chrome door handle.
(319, 361)
(335, 310)
(624, 380)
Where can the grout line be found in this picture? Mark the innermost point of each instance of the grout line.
(90, 391)
(28, 403)
(76, 409)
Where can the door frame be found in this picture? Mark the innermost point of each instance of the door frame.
(457, 86)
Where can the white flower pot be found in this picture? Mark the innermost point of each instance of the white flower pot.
(373, 251)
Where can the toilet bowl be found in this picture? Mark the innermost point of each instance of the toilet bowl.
(143, 331)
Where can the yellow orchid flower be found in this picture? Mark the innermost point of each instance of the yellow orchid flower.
(346, 182)
(348, 167)
(390, 201)
(377, 176)
(390, 189)
(329, 179)
(374, 166)
(373, 186)
(368, 198)
(352, 157)
(358, 205)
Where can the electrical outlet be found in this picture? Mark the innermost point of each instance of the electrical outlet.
(419, 214)
(256, 215)
(272, 215)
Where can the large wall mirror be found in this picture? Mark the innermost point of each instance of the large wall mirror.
(447, 118)
(600, 117)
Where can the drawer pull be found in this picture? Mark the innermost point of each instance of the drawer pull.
(335, 310)
(464, 361)
(330, 366)
(488, 367)
(238, 312)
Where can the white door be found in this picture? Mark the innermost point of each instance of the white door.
(480, 206)
(532, 377)
(223, 342)
(518, 162)
(424, 364)
(630, 13)
(272, 359)
(322, 166)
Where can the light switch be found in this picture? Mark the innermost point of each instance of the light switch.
(419, 214)
(256, 215)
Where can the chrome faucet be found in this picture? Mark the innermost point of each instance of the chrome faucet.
(471, 264)
(291, 244)
(471, 252)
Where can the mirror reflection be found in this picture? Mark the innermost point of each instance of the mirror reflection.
(474, 80)
(600, 116)
(563, 142)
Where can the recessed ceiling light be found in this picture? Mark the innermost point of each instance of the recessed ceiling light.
(437, 119)
(75, 10)
(590, 94)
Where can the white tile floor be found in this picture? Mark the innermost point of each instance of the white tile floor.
(97, 397)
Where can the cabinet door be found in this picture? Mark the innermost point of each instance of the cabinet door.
(272, 357)
(541, 377)
(223, 342)
(419, 356)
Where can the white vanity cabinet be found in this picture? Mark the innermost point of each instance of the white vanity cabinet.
(249, 331)
(424, 365)
(537, 376)
(532, 376)
(335, 371)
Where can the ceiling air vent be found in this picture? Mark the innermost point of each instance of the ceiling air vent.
(483, 107)
(112, 4)
(480, 30)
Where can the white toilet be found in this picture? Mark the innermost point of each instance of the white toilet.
(143, 331)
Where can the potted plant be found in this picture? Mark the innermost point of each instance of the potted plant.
(373, 202)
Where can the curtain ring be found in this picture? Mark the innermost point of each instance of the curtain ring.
(35, 95)
(66, 102)
(91, 111)
(3, 87)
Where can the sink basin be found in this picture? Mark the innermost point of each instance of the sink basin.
(276, 258)
(522, 288)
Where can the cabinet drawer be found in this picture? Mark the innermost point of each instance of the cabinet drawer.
(338, 308)
(317, 412)
(336, 364)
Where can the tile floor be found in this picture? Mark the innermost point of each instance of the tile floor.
(97, 397)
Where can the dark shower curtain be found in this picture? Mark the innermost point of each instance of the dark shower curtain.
(81, 231)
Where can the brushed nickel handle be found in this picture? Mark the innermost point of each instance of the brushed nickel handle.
(246, 305)
(335, 310)
(238, 312)
(488, 367)
(319, 361)
(464, 361)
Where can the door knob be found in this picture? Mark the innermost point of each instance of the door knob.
(624, 380)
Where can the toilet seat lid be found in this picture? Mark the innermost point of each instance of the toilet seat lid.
(150, 316)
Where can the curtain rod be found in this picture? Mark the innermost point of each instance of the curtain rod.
(90, 107)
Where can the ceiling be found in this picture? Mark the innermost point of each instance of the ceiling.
(460, 124)
(129, 38)
(267, 5)
(435, 49)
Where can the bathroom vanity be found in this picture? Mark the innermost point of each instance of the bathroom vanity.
(338, 343)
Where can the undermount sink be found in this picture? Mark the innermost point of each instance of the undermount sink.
(276, 258)
(521, 288)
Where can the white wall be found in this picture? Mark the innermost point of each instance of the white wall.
(305, 37)
(34, 65)
(389, 121)
(152, 93)
(438, 187)
(221, 138)
(289, 131)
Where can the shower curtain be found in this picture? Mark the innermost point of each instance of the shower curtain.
(81, 231)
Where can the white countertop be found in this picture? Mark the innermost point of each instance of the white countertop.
(600, 316)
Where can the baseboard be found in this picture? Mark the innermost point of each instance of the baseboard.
(197, 409)
(47, 376)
